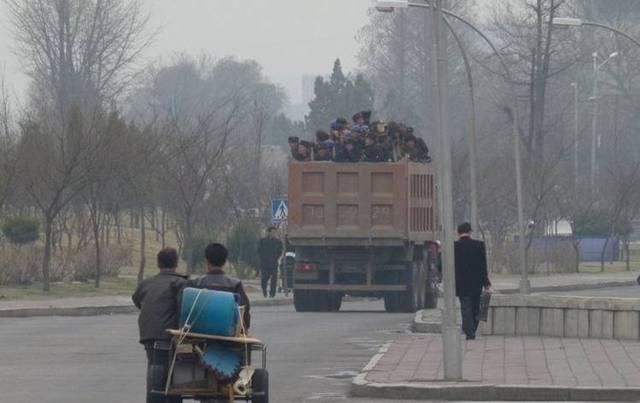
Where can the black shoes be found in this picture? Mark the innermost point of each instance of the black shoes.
(472, 337)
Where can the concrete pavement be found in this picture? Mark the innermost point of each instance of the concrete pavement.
(505, 368)
(566, 282)
(612, 292)
(101, 305)
(312, 357)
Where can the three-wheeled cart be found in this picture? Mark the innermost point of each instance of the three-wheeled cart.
(189, 378)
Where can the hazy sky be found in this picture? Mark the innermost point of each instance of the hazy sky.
(288, 38)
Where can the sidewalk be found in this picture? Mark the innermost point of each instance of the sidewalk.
(562, 282)
(103, 305)
(429, 320)
(505, 368)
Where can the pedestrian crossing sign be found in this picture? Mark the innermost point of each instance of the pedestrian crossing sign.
(279, 211)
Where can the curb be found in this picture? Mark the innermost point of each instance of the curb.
(420, 326)
(68, 311)
(574, 287)
(119, 309)
(471, 391)
(101, 310)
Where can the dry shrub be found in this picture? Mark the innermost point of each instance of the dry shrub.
(82, 265)
(22, 265)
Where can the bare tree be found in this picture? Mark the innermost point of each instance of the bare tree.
(79, 50)
(530, 42)
(80, 55)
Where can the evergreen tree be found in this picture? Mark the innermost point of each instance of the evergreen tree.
(339, 96)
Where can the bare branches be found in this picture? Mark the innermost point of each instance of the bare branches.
(80, 49)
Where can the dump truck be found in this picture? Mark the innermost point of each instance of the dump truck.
(360, 229)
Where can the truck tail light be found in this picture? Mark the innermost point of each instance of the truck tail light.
(304, 266)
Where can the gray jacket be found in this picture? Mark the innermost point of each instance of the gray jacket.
(157, 299)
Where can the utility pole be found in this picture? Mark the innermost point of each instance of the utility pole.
(576, 137)
(451, 335)
(594, 124)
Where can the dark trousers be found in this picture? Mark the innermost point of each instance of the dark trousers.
(269, 274)
(470, 308)
(157, 370)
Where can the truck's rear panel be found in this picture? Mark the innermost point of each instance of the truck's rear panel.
(360, 204)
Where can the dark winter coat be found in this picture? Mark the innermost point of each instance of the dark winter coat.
(375, 153)
(269, 251)
(471, 267)
(344, 155)
(157, 299)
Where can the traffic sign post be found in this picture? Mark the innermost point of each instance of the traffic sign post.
(279, 211)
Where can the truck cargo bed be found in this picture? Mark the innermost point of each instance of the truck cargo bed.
(360, 204)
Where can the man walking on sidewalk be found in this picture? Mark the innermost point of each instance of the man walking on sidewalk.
(269, 252)
(471, 277)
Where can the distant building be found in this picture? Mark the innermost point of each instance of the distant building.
(297, 111)
(308, 82)
(274, 156)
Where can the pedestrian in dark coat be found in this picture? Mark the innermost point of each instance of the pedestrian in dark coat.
(471, 278)
(269, 251)
(216, 279)
(346, 152)
(157, 299)
(373, 151)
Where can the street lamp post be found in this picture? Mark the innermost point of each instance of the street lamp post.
(594, 119)
(576, 137)
(451, 336)
(472, 143)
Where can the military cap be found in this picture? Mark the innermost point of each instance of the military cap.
(321, 135)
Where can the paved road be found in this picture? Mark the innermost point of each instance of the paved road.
(618, 292)
(312, 357)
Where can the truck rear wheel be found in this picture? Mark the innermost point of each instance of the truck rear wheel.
(316, 301)
(392, 302)
(334, 301)
(302, 300)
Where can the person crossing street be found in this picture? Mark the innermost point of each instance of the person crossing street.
(269, 251)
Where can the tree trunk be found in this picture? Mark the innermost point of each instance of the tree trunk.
(604, 252)
(107, 226)
(143, 245)
(188, 244)
(164, 229)
(46, 261)
(627, 253)
(576, 250)
(118, 228)
(96, 236)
